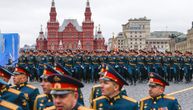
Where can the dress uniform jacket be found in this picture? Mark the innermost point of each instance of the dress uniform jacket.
(14, 96)
(29, 91)
(43, 101)
(162, 102)
(119, 102)
(4, 105)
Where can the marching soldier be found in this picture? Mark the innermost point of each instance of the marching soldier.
(157, 99)
(20, 79)
(64, 90)
(45, 100)
(95, 60)
(4, 105)
(9, 94)
(65, 71)
(96, 89)
(111, 85)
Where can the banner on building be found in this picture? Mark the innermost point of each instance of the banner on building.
(9, 48)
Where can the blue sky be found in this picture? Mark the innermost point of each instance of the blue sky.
(26, 16)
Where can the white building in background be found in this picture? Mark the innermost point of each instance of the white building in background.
(136, 35)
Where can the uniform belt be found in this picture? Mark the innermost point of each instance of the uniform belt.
(78, 62)
(68, 64)
(121, 62)
(132, 64)
(187, 63)
(112, 62)
(140, 62)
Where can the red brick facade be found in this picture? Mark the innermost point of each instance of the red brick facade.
(70, 35)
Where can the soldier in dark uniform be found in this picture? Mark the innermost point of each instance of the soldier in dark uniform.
(22, 58)
(45, 100)
(157, 99)
(111, 85)
(5, 105)
(78, 72)
(20, 79)
(95, 63)
(141, 66)
(64, 90)
(9, 94)
(50, 57)
(86, 67)
(65, 71)
(31, 64)
(96, 89)
(132, 64)
(187, 66)
(69, 62)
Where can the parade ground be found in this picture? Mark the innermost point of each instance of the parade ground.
(182, 91)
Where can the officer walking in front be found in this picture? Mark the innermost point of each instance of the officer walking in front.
(20, 79)
(45, 100)
(157, 99)
(111, 99)
(9, 94)
(64, 90)
(65, 71)
(4, 104)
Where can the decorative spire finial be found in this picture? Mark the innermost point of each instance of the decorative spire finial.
(88, 4)
(99, 28)
(53, 3)
(41, 30)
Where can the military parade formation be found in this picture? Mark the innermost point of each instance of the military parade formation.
(62, 74)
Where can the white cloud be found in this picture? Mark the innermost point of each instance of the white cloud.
(26, 16)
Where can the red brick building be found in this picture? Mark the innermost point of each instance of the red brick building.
(70, 35)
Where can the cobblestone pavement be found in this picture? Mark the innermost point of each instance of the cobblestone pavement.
(141, 90)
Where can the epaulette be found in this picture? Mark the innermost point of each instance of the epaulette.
(50, 108)
(84, 108)
(145, 98)
(14, 91)
(13, 86)
(169, 97)
(41, 95)
(99, 98)
(30, 86)
(9, 105)
(130, 99)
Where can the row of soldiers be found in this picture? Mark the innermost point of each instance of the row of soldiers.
(133, 65)
(62, 92)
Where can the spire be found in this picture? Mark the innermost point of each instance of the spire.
(87, 12)
(87, 3)
(41, 33)
(53, 3)
(99, 29)
(41, 30)
(53, 12)
(96, 30)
